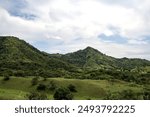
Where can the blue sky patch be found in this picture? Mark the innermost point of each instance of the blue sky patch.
(15, 8)
(44, 45)
(113, 38)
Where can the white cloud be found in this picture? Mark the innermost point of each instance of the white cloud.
(78, 23)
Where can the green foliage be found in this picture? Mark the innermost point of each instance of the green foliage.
(17, 88)
(72, 88)
(22, 59)
(128, 95)
(34, 81)
(6, 78)
(51, 86)
(41, 87)
(146, 94)
(36, 96)
(123, 95)
(63, 94)
(18, 58)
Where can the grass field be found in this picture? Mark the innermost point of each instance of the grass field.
(16, 88)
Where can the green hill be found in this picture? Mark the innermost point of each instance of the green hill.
(18, 57)
(93, 59)
(94, 74)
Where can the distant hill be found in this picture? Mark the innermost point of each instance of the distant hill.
(17, 57)
(93, 59)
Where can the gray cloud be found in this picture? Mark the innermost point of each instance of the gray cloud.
(75, 24)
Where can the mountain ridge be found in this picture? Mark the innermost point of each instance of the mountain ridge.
(18, 55)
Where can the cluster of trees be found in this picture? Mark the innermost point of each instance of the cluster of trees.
(103, 74)
(128, 95)
(59, 93)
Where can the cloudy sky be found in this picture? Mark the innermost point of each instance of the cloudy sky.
(115, 27)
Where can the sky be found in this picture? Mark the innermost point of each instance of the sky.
(119, 28)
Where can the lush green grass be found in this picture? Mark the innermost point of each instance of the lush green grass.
(17, 88)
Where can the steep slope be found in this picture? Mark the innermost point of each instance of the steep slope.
(17, 55)
(93, 59)
(90, 58)
(13, 49)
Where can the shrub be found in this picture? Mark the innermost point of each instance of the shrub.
(6, 78)
(51, 86)
(63, 94)
(36, 96)
(128, 95)
(34, 81)
(123, 95)
(72, 88)
(146, 94)
(41, 87)
(44, 79)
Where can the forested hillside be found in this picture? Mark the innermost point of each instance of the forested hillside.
(19, 58)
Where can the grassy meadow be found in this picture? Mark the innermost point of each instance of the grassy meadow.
(18, 87)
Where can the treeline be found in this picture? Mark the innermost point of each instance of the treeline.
(23, 69)
(128, 95)
(125, 75)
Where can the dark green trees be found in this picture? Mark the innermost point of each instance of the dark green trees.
(36, 96)
(63, 94)
(72, 88)
(34, 81)
(6, 78)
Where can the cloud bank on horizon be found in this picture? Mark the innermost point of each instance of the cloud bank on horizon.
(119, 28)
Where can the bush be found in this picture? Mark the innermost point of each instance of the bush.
(123, 95)
(128, 95)
(44, 79)
(34, 81)
(36, 96)
(6, 78)
(72, 88)
(51, 86)
(41, 87)
(146, 94)
(63, 94)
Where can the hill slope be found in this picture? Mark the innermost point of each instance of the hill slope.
(20, 58)
(17, 55)
(93, 59)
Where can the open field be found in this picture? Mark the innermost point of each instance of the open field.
(17, 88)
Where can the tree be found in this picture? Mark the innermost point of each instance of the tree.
(6, 78)
(34, 81)
(36, 96)
(128, 95)
(51, 86)
(146, 94)
(72, 88)
(63, 94)
(41, 87)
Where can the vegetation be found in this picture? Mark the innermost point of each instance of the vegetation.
(41, 87)
(63, 94)
(18, 88)
(72, 88)
(84, 70)
(6, 78)
(51, 86)
(146, 95)
(34, 81)
(36, 96)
